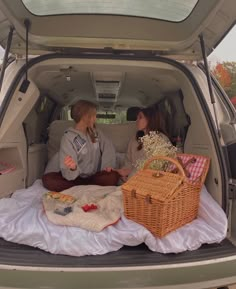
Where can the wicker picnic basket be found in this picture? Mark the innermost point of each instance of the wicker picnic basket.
(162, 201)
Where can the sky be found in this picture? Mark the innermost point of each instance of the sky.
(1, 53)
(226, 50)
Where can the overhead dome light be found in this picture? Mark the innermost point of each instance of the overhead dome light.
(107, 85)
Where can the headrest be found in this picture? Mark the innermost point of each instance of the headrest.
(132, 113)
(119, 133)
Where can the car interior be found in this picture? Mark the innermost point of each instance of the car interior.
(122, 57)
(115, 87)
(119, 88)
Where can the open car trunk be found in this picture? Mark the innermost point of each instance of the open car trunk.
(111, 56)
(56, 82)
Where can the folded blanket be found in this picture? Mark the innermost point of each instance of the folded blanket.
(79, 208)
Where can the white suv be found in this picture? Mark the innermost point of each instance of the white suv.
(119, 54)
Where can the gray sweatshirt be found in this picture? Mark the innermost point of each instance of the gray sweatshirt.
(90, 157)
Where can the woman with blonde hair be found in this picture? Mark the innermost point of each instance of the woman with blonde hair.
(84, 153)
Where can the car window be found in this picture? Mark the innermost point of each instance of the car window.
(223, 64)
(175, 10)
(102, 116)
(116, 117)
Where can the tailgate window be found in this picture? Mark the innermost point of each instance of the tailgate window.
(175, 10)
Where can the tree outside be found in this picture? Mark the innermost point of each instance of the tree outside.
(223, 64)
(225, 73)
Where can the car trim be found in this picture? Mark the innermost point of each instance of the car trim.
(130, 268)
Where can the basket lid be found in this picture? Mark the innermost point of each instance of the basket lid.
(158, 185)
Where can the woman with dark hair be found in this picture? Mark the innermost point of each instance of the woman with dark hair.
(84, 153)
(148, 119)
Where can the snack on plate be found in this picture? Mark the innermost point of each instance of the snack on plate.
(62, 209)
(66, 199)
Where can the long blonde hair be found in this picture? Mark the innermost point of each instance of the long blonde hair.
(79, 110)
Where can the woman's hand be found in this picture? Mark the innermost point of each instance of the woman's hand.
(124, 172)
(70, 163)
(109, 169)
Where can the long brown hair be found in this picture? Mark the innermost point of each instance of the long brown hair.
(79, 110)
(155, 122)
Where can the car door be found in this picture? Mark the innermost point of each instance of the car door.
(162, 27)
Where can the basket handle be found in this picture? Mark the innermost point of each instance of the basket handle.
(148, 162)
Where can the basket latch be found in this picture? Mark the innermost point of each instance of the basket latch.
(148, 199)
(157, 174)
(133, 193)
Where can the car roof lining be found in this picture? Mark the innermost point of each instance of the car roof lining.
(141, 85)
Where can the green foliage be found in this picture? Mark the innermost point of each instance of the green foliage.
(120, 117)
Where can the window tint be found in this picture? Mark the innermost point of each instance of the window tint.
(102, 116)
(174, 10)
(117, 117)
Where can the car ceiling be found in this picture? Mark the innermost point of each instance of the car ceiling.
(68, 83)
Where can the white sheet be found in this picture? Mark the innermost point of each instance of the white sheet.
(23, 220)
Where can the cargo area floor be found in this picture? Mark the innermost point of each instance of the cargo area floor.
(21, 255)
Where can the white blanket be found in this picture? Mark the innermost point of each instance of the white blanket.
(23, 220)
